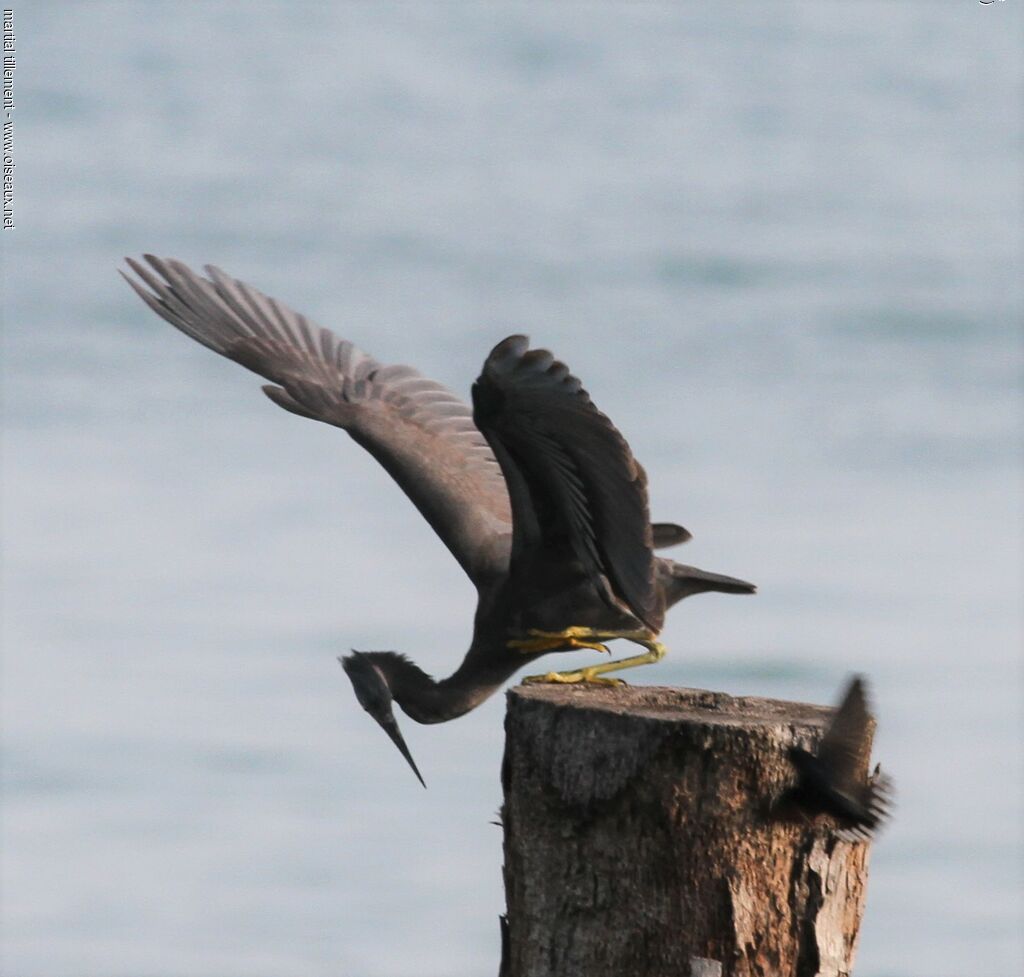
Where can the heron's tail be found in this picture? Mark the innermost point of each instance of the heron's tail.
(678, 581)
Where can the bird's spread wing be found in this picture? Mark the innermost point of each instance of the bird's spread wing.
(845, 751)
(416, 428)
(845, 747)
(573, 481)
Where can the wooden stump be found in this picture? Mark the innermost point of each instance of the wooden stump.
(638, 841)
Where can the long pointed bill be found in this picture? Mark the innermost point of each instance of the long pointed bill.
(390, 726)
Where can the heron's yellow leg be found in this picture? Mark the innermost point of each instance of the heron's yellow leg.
(595, 673)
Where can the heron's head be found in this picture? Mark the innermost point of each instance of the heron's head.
(374, 694)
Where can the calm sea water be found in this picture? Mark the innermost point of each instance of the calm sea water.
(782, 248)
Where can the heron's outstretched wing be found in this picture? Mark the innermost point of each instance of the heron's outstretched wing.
(416, 428)
(576, 490)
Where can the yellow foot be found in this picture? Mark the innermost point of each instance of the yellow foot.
(579, 637)
(582, 634)
(554, 642)
(583, 676)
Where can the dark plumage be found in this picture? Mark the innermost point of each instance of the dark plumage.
(534, 491)
(832, 780)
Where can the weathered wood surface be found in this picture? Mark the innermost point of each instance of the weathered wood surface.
(638, 841)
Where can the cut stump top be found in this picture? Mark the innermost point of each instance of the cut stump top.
(672, 704)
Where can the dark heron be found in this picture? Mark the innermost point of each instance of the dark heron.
(829, 780)
(534, 491)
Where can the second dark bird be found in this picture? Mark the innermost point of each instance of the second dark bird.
(831, 780)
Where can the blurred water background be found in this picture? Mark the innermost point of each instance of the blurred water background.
(781, 245)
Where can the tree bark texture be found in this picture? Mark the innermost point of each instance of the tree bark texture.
(640, 839)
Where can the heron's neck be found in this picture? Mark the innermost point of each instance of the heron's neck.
(426, 700)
